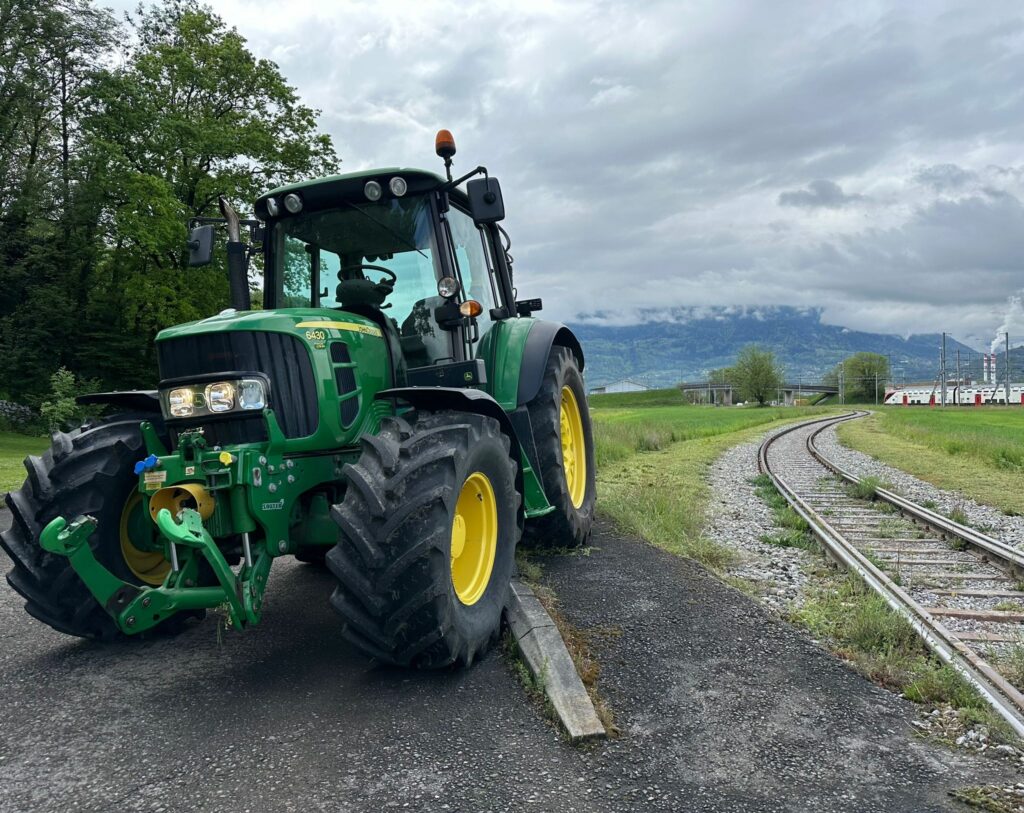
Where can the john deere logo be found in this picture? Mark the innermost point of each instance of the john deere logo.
(273, 506)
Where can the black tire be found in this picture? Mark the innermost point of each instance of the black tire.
(395, 589)
(86, 471)
(568, 526)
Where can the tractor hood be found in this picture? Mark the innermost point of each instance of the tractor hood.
(321, 370)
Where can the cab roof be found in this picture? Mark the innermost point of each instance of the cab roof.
(319, 193)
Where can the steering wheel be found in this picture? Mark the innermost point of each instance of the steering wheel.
(362, 291)
(392, 276)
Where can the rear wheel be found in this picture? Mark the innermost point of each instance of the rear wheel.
(87, 471)
(565, 449)
(429, 525)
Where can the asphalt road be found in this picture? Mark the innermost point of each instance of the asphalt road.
(722, 708)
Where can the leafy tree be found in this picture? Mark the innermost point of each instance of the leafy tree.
(756, 374)
(49, 56)
(105, 152)
(864, 376)
(190, 115)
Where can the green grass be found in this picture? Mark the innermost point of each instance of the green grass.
(647, 398)
(620, 432)
(794, 531)
(978, 451)
(653, 463)
(866, 488)
(15, 448)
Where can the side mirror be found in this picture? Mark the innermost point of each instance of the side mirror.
(200, 246)
(485, 203)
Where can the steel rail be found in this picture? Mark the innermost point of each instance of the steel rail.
(1004, 698)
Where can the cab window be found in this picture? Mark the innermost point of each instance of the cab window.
(467, 241)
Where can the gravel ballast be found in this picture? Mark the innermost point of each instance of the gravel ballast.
(740, 520)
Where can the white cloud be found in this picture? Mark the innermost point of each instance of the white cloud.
(645, 149)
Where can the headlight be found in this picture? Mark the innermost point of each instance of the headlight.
(251, 394)
(180, 402)
(293, 203)
(398, 187)
(220, 397)
(372, 191)
(217, 398)
(273, 209)
(447, 287)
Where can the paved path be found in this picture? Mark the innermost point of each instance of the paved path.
(286, 718)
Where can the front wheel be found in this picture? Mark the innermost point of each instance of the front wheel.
(565, 449)
(87, 471)
(429, 525)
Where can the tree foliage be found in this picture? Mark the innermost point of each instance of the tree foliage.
(864, 376)
(756, 375)
(112, 137)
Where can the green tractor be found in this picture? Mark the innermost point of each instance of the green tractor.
(392, 411)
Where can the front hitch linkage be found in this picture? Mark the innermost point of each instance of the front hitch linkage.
(136, 609)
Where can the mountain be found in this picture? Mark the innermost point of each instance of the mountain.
(685, 344)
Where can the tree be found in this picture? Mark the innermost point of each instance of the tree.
(191, 115)
(49, 56)
(865, 376)
(756, 374)
(104, 155)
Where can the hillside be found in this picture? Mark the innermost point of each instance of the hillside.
(665, 352)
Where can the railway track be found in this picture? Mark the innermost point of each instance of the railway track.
(961, 590)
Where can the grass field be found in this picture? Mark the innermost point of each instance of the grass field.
(653, 458)
(978, 451)
(13, 449)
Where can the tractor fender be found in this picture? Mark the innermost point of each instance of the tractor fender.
(142, 400)
(539, 341)
(464, 400)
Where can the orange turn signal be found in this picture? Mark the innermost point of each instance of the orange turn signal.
(444, 144)
(471, 308)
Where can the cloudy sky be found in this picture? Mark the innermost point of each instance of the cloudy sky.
(861, 157)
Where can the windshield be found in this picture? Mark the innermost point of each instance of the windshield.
(395, 234)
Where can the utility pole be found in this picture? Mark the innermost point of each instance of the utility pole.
(959, 381)
(842, 381)
(876, 387)
(942, 371)
(1007, 373)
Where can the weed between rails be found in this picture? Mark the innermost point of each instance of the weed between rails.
(795, 533)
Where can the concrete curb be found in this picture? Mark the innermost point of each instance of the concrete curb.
(547, 658)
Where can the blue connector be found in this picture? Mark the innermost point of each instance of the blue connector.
(146, 464)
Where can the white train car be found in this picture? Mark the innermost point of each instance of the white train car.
(967, 395)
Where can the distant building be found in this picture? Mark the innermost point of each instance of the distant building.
(625, 385)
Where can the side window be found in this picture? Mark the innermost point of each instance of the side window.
(469, 251)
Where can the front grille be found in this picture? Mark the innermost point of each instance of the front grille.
(281, 357)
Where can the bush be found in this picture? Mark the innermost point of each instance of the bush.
(60, 409)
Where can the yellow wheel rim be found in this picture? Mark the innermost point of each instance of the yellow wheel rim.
(148, 566)
(574, 448)
(474, 538)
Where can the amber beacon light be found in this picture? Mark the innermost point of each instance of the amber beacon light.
(444, 146)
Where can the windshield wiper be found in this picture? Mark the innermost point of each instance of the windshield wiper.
(386, 228)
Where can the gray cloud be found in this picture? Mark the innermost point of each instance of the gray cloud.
(943, 177)
(821, 194)
(645, 149)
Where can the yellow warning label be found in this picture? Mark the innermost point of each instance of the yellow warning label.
(354, 327)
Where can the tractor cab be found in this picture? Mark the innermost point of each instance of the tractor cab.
(394, 246)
